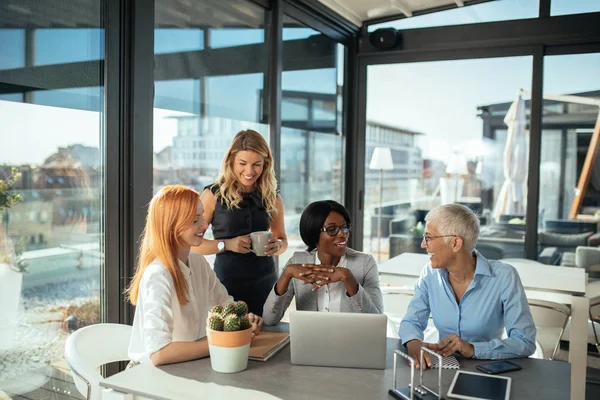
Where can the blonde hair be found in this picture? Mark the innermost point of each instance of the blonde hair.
(455, 219)
(171, 212)
(229, 189)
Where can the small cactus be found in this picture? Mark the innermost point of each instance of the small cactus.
(241, 308)
(228, 308)
(232, 323)
(215, 322)
(244, 323)
(218, 309)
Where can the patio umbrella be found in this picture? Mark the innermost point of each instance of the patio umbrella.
(512, 198)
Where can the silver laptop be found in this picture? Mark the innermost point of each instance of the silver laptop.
(338, 339)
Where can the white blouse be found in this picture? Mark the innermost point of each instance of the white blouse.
(329, 297)
(160, 319)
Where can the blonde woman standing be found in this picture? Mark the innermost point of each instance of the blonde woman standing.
(243, 200)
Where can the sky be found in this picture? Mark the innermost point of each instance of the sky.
(439, 99)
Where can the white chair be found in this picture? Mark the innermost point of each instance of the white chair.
(550, 319)
(395, 304)
(91, 347)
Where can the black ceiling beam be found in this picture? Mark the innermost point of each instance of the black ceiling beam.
(555, 31)
(314, 52)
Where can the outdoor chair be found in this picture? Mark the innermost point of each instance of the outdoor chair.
(395, 304)
(90, 347)
(550, 319)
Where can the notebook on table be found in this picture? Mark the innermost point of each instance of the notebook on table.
(338, 339)
(267, 344)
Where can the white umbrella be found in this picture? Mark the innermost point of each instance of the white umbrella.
(512, 198)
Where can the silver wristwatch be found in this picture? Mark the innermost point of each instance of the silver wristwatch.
(221, 246)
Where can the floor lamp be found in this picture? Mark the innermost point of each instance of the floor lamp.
(381, 160)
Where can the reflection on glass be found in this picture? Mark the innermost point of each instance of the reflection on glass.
(446, 129)
(565, 7)
(571, 110)
(311, 141)
(51, 240)
(505, 10)
(209, 81)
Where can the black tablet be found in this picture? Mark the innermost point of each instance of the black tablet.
(476, 386)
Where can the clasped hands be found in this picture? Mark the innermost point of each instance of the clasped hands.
(446, 347)
(317, 275)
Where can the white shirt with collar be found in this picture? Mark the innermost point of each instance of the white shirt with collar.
(160, 319)
(329, 297)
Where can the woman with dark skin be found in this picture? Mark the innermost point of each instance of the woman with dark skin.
(328, 276)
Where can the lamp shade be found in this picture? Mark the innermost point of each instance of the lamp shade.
(382, 159)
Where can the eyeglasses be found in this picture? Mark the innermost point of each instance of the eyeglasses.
(334, 230)
(428, 239)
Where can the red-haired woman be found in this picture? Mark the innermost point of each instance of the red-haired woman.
(173, 289)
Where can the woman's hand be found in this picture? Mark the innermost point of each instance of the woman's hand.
(240, 244)
(337, 274)
(414, 350)
(453, 344)
(256, 323)
(307, 273)
(273, 246)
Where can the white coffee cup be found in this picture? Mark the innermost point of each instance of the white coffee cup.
(259, 240)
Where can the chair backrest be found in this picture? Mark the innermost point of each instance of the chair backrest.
(587, 256)
(551, 319)
(91, 347)
(395, 304)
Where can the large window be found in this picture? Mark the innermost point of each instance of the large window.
(447, 144)
(570, 112)
(311, 134)
(51, 141)
(566, 7)
(209, 81)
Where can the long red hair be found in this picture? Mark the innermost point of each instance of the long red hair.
(170, 213)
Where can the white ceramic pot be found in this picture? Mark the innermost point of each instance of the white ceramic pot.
(229, 350)
(10, 295)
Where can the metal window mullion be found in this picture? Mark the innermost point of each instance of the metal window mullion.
(535, 145)
(275, 71)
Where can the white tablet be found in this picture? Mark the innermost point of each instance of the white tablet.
(475, 386)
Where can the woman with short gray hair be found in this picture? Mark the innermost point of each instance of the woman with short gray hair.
(472, 300)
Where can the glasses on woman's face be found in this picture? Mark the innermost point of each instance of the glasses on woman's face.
(428, 238)
(334, 230)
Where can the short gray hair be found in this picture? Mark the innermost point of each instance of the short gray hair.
(456, 219)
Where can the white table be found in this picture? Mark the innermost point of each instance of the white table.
(278, 378)
(545, 282)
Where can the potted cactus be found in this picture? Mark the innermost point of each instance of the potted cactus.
(229, 334)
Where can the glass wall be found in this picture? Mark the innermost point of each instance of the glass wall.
(566, 7)
(311, 134)
(570, 112)
(447, 144)
(211, 63)
(52, 170)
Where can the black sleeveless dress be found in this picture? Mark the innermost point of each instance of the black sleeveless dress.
(246, 276)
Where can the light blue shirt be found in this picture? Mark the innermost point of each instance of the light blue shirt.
(494, 300)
